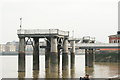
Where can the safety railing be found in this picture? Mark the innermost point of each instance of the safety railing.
(96, 44)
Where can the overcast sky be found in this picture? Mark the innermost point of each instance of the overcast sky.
(96, 18)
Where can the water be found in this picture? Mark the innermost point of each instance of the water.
(100, 70)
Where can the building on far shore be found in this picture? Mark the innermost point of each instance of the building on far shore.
(9, 47)
(13, 47)
(2, 47)
(114, 38)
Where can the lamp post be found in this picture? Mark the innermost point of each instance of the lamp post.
(20, 23)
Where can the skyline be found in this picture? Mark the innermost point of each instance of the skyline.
(95, 18)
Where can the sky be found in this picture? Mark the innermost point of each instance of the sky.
(95, 18)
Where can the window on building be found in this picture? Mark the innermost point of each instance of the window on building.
(118, 41)
(114, 41)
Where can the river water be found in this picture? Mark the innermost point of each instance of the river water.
(100, 69)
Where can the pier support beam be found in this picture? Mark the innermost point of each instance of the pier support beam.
(86, 57)
(21, 55)
(36, 54)
(47, 54)
(58, 59)
(35, 75)
(65, 55)
(89, 57)
(72, 54)
(54, 55)
(21, 75)
(72, 73)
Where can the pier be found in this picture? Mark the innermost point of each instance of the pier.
(90, 49)
(56, 41)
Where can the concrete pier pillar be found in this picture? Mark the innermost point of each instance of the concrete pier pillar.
(21, 55)
(65, 74)
(54, 55)
(65, 68)
(89, 70)
(58, 59)
(47, 54)
(47, 73)
(65, 55)
(36, 54)
(86, 57)
(72, 54)
(21, 76)
(89, 57)
(72, 73)
(35, 75)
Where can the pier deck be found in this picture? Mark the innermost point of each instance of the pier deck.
(41, 33)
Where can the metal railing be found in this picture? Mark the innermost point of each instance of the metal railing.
(97, 44)
(89, 38)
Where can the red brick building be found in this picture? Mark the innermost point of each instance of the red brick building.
(114, 38)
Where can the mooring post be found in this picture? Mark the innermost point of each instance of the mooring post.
(73, 54)
(54, 55)
(47, 53)
(36, 54)
(65, 55)
(21, 55)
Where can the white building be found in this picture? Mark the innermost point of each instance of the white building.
(10, 47)
(2, 47)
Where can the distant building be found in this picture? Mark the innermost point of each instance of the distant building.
(14, 47)
(2, 47)
(10, 47)
(88, 39)
(114, 38)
